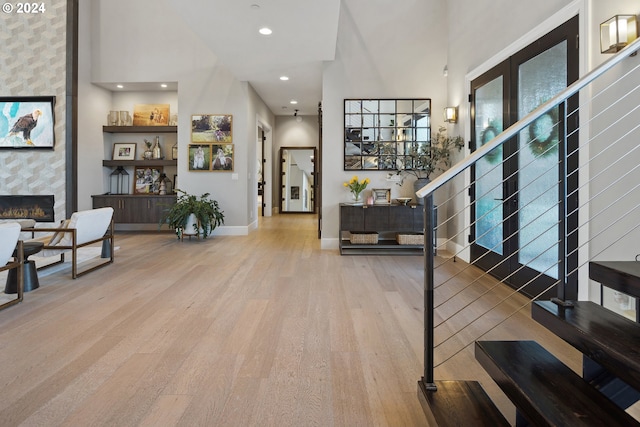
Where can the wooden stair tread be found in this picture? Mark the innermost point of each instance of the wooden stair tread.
(623, 276)
(605, 337)
(459, 403)
(546, 391)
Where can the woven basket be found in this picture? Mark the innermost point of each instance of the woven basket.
(410, 239)
(364, 238)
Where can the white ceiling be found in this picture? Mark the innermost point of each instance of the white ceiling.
(304, 35)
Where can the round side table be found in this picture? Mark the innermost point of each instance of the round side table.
(30, 274)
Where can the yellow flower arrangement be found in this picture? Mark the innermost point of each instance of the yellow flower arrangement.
(356, 186)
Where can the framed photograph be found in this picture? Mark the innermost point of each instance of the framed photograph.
(124, 151)
(199, 157)
(222, 157)
(295, 192)
(211, 128)
(381, 196)
(151, 115)
(146, 180)
(27, 122)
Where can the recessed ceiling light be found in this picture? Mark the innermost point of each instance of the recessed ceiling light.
(163, 85)
(119, 86)
(265, 31)
(293, 101)
(284, 78)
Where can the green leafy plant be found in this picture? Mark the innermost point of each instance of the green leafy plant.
(427, 158)
(206, 211)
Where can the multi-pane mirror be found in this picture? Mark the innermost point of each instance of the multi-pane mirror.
(378, 133)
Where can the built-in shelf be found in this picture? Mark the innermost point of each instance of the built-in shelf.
(140, 129)
(139, 162)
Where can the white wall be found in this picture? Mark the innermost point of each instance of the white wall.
(130, 44)
(385, 50)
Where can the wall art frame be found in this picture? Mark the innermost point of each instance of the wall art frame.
(27, 122)
(151, 115)
(211, 128)
(199, 157)
(222, 157)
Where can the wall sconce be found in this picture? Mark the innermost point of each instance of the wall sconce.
(617, 32)
(451, 114)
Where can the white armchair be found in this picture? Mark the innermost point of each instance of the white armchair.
(9, 242)
(84, 228)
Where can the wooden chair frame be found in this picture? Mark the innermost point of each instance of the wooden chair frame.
(108, 237)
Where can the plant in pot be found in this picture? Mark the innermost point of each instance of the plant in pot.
(193, 215)
(426, 158)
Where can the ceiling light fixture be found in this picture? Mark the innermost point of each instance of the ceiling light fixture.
(284, 78)
(265, 31)
(298, 118)
(119, 86)
(293, 101)
(163, 85)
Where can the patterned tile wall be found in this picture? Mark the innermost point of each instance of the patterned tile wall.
(33, 63)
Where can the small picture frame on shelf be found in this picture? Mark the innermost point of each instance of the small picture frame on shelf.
(124, 151)
(146, 180)
(151, 115)
(381, 196)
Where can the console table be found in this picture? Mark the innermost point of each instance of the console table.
(386, 220)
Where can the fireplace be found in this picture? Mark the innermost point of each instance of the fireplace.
(39, 208)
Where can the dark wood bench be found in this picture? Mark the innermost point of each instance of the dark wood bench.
(459, 403)
(544, 390)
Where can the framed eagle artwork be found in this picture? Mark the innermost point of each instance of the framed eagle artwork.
(27, 122)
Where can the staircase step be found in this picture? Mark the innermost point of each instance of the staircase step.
(605, 337)
(623, 276)
(459, 403)
(544, 390)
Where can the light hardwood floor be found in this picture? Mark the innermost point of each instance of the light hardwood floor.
(258, 330)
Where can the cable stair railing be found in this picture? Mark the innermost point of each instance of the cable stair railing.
(596, 199)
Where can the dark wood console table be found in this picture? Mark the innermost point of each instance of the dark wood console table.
(386, 220)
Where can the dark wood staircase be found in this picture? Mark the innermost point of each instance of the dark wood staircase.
(546, 392)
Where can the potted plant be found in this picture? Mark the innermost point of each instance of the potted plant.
(425, 158)
(193, 215)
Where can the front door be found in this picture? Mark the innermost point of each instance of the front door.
(518, 210)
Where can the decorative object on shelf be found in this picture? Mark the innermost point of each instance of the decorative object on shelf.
(403, 200)
(157, 150)
(206, 215)
(28, 122)
(147, 180)
(119, 181)
(125, 118)
(124, 151)
(165, 186)
(151, 115)
(211, 128)
(356, 187)
(223, 160)
(363, 238)
(174, 151)
(148, 153)
(112, 118)
(381, 196)
(173, 121)
(199, 157)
